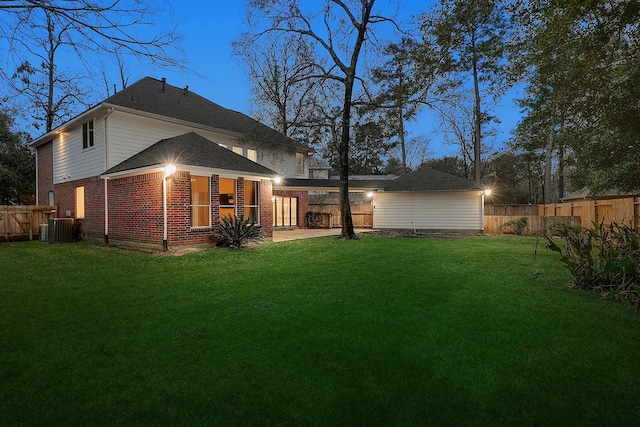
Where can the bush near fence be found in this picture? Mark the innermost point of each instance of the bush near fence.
(535, 224)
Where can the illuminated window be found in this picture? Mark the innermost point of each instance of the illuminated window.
(252, 154)
(80, 202)
(237, 150)
(252, 201)
(87, 134)
(299, 163)
(227, 197)
(200, 202)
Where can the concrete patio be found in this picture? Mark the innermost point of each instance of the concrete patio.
(284, 235)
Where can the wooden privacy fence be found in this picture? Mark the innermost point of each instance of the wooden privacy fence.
(535, 223)
(624, 210)
(23, 222)
(361, 215)
(513, 210)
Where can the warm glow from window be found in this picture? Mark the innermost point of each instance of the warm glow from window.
(80, 202)
(252, 201)
(227, 197)
(200, 201)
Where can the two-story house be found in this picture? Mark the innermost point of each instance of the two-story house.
(158, 164)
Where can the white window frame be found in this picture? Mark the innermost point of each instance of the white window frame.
(79, 193)
(88, 134)
(192, 205)
(257, 205)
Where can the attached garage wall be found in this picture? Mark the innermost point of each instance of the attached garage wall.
(452, 211)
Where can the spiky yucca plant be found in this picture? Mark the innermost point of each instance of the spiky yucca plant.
(236, 231)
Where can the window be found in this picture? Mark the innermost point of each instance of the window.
(299, 163)
(252, 201)
(237, 150)
(51, 199)
(87, 134)
(80, 202)
(227, 197)
(252, 155)
(223, 145)
(200, 201)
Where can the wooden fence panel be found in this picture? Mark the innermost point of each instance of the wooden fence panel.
(535, 223)
(625, 210)
(23, 222)
(362, 215)
(512, 210)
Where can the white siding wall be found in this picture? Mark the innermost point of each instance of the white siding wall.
(71, 161)
(428, 211)
(129, 134)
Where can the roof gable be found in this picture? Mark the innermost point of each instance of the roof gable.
(160, 98)
(190, 149)
(425, 179)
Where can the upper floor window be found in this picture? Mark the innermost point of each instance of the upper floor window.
(299, 163)
(237, 150)
(252, 155)
(87, 134)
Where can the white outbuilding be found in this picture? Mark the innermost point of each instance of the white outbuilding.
(430, 201)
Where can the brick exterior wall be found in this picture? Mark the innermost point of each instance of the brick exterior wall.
(136, 214)
(44, 174)
(92, 225)
(303, 203)
(266, 208)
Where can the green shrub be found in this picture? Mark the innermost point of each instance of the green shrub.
(516, 226)
(236, 231)
(605, 259)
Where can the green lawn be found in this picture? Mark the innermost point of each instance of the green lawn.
(379, 331)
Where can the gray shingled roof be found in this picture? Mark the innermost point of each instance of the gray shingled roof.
(190, 149)
(425, 179)
(156, 97)
(371, 184)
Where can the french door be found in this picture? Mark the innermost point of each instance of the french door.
(285, 211)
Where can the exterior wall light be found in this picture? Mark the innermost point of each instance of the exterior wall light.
(487, 192)
(277, 180)
(169, 170)
(369, 194)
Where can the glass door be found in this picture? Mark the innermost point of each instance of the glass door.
(285, 211)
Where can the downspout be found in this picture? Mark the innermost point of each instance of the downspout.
(106, 180)
(37, 176)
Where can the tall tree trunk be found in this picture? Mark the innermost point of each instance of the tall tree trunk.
(403, 145)
(343, 151)
(50, 114)
(477, 140)
(547, 197)
(560, 166)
